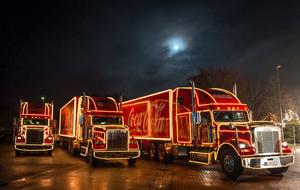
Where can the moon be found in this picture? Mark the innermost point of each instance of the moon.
(175, 45)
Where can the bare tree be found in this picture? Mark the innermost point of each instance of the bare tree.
(213, 76)
(253, 92)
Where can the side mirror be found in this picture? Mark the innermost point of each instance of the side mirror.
(15, 122)
(204, 121)
(196, 118)
(81, 120)
(54, 123)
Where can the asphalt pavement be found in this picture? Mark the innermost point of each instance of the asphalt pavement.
(62, 171)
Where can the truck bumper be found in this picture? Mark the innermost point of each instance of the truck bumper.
(111, 155)
(34, 147)
(268, 162)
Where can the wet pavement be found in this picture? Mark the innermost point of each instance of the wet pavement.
(62, 171)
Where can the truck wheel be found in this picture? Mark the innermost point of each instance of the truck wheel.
(49, 152)
(278, 170)
(18, 153)
(131, 161)
(73, 151)
(162, 154)
(231, 164)
(152, 151)
(91, 158)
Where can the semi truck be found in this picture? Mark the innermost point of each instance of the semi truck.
(33, 128)
(207, 126)
(94, 128)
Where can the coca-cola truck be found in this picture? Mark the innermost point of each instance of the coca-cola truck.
(94, 128)
(33, 129)
(208, 126)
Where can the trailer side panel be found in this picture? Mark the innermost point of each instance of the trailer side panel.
(68, 119)
(149, 117)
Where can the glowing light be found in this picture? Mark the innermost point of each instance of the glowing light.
(271, 117)
(278, 67)
(291, 115)
(242, 145)
(175, 45)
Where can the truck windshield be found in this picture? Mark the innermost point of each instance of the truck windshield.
(231, 116)
(107, 120)
(35, 121)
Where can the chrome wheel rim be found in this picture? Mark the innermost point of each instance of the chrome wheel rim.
(229, 163)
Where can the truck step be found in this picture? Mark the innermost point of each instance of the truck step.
(83, 150)
(201, 157)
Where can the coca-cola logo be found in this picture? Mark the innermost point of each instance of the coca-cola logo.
(141, 120)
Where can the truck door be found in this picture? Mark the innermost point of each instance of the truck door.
(184, 127)
(205, 129)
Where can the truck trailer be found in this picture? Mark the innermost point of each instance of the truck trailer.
(94, 128)
(207, 126)
(33, 129)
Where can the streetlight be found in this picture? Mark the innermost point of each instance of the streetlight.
(279, 93)
(43, 99)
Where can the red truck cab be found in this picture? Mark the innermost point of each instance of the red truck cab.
(94, 128)
(34, 131)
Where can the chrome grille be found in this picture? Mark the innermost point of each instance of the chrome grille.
(267, 140)
(34, 136)
(117, 139)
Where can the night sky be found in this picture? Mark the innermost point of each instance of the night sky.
(58, 49)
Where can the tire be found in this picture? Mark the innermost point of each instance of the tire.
(18, 153)
(152, 151)
(75, 152)
(70, 147)
(92, 160)
(131, 162)
(231, 164)
(49, 152)
(278, 170)
(162, 154)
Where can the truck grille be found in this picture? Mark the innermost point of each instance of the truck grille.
(267, 140)
(117, 139)
(34, 136)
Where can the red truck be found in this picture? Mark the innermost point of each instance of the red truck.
(33, 131)
(94, 128)
(208, 126)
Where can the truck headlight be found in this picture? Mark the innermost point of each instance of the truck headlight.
(246, 149)
(242, 145)
(284, 144)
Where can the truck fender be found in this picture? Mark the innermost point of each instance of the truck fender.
(225, 146)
